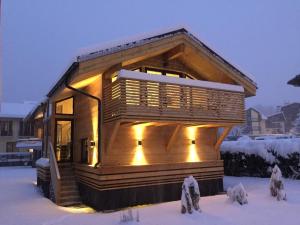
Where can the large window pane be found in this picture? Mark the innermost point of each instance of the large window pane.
(6, 128)
(154, 72)
(64, 106)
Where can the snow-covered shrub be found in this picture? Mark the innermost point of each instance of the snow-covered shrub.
(190, 195)
(253, 158)
(127, 216)
(276, 184)
(244, 138)
(238, 193)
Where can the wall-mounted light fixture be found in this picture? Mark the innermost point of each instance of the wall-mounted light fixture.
(193, 142)
(92, 143)
(139, 142)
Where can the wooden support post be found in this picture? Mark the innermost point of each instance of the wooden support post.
(112, 136)
(173, 137)
(221, 138)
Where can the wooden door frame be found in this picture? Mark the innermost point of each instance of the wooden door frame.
(72, 136)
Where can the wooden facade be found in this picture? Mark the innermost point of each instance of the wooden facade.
(132, 135)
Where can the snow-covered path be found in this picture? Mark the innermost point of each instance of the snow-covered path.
(21, 203)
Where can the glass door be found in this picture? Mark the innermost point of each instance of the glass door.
(64, 144)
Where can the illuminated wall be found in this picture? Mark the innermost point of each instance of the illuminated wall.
(192, 155)
(139, 157)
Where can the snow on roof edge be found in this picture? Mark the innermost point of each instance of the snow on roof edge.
(182, 81)
(136, 40)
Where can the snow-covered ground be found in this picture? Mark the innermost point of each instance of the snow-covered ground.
(21, 203)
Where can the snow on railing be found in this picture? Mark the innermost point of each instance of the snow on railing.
(180, 81)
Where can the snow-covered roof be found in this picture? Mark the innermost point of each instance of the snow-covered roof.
(15, 110)
(116, 46)
(181, 81)
(121, 45)
(263, 116)
(34, 143)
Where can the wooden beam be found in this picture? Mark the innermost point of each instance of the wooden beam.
(174, 52)
(222, 137)
(173, 137)
(107, 74)
(112, 135)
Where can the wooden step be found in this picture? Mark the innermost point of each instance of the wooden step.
(70, 203)
(68, 177)
(68, 188)
(68, 198)
(69, 194)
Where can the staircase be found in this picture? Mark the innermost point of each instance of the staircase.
(69, 194)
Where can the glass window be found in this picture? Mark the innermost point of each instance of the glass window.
(154, 72)
(64, 106)
(172, 75)
(10, 146)
(114, 77)
(6, 128)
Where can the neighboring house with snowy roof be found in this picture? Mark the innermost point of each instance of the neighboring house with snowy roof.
(282, 121)
(275, 123)
(12, 126)
(255, 122)
(137, 118)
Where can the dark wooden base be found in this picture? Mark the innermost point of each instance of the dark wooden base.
(121, 198)
(44, 185)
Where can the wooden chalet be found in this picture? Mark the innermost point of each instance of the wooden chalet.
(125, 125)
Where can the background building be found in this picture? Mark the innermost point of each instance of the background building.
(255, 122)
(12, 126)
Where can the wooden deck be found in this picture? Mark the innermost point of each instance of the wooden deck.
(120, 177)
(139, 99)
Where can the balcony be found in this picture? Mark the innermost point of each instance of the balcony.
(141, 96)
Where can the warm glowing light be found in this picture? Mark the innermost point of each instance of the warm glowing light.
(138, 131)
(79, 209)
(95, 139)
(85, 82)
(193, 154)
(192, 151)
(39, 115)
(191, 133)
(139, 157)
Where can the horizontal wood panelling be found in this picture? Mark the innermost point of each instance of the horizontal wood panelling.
(105, 178)
(126, 98)
(123, 150)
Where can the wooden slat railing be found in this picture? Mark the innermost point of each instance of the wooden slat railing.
(55, 175)
(141, 99)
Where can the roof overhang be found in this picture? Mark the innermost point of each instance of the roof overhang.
(295, 81)
(125, 51)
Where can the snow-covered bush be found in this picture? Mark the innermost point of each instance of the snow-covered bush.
(190, 195)
(238, 193)
(127, 216)
(244, 138)
(276, 184)
(254, 157)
